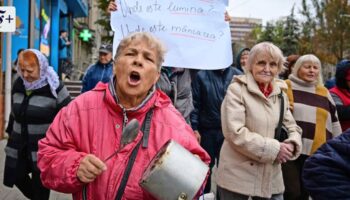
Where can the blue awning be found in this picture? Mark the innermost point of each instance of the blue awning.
(78, 8)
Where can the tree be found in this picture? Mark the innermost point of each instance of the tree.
(267, 33)
(278, 33)
(284, 33)
(290, 43)
(307, 30)
(104, 20)
(254, 36)
(327, 31)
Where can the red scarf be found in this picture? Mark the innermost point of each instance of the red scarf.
(266, 91)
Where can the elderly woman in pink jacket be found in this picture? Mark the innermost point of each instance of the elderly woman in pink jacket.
(78, 154)
(251, 157)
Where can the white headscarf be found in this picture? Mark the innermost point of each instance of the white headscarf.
(47, 75)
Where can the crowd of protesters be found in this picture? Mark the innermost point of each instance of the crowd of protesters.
(231, 118)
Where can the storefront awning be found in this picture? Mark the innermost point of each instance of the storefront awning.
(79, 8)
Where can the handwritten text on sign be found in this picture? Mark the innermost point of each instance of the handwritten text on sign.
(194, 31)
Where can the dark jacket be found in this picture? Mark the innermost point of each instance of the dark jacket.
(96, 73)
(326, 174)
(31, 116)
(341, 93)
(176, 83)
(208, 90)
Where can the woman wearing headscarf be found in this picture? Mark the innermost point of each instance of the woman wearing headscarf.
(37, 96)
(251, 157)
(241, 59)
(341, 93)
(314, 111)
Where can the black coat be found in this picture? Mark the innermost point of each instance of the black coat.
(208, 91)
(31, 116)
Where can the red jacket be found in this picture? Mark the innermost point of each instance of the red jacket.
(92, 123)
(344, 96)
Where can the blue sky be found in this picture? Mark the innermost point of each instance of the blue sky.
(264, 9)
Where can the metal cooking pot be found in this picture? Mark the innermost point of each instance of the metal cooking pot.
(174, 173)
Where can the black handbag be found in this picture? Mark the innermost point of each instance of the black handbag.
(281, 132)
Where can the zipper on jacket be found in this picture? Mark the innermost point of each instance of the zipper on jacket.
(103, 72)
(84, 193)
(125, 118)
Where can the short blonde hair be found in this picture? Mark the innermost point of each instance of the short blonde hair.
(265, 48)
(308, 58)
(152, 42)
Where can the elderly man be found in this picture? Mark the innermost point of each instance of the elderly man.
(89, 130)
(100, 71)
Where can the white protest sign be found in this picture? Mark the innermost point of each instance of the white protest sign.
(225, 2)
(194, 31)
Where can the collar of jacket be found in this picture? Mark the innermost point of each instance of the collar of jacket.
(252, 86)
(156, 100)
(105, 65)
(112, 90)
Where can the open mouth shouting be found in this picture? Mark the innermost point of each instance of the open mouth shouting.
(134, 78)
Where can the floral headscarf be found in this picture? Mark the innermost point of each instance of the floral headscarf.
(47, 75)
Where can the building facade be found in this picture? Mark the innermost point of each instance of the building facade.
(240, 28)
(38, 23)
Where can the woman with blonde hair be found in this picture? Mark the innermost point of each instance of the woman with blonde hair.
(251, 157)
(315, 112)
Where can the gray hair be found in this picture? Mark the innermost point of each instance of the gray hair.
(152, 42)
(269, 49)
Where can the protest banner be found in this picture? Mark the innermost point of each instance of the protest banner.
(194, 31)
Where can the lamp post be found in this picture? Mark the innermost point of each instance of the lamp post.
(8, 73)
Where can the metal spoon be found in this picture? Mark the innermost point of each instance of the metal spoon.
(128, 135)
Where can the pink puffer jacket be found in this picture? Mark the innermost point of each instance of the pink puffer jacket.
(92, 124)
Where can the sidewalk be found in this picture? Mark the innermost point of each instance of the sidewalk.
(13, 193)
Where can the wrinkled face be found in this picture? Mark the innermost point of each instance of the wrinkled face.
(29, 66)
(105, 57)
(244, 58)
(309, 72)
(264, 69)
(136, 70)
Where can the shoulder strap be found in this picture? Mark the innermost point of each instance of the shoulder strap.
(145, 129)
(146, 126)
(279, 126)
